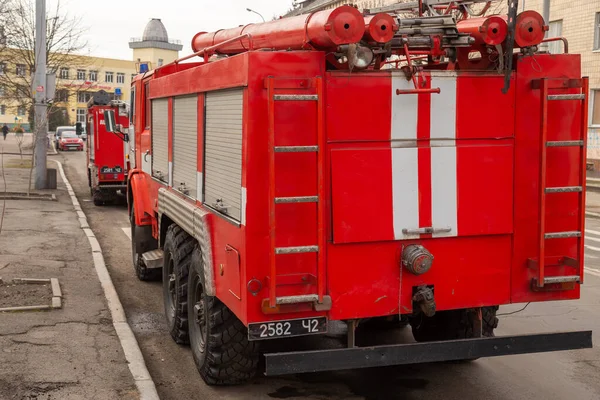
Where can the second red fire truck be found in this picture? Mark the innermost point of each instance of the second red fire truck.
(346, 167)
(107, 152)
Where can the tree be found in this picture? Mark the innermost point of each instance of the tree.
(17, 57)
(58, 116)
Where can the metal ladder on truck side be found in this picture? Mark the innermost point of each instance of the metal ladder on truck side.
(319, 300)
(541, 281)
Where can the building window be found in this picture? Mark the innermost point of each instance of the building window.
(81, 115)
(64, 73)
(2, 109)
(2, 68)
(160, 62)
(109, 77)
(555, 31)
(597, 32)
(2, 92)
(81, 74)
(84, 97)
(21, 69)
(133, 77)
(120, 77)
(93, 76)
(596, 107)
(21, 111)
(62, 95)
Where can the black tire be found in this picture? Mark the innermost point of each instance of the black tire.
(142, 241)
(177, 258)
(451, 325)
(98, 198)
(219, 341)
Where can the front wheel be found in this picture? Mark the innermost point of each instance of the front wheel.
(142, 241)
(177, 258)
(219, 341)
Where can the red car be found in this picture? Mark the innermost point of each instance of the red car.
(70, 141)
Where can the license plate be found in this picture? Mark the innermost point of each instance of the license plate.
(289, 328)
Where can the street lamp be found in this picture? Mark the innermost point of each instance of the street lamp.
(259, 14)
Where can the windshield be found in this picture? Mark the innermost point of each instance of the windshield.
(69, 135)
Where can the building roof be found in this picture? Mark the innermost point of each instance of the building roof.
(155, 36)
(155, 30)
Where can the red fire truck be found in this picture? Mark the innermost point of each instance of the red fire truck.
(107, 152)
(346, 167)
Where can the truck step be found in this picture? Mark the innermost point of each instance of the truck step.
(298, 199)
(555, 97)
(561, 279)
(296, 249)
(564, 189)
(296, 97)
(562, 235)
(296, 149)
(153, 259)
(565, 143)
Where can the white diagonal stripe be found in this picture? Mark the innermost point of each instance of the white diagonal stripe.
(127, 232)
(443, 108)
(592, 232)
(405, 186)
(404, 109)
(444, 200)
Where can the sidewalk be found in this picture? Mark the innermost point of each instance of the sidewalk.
(67, 353)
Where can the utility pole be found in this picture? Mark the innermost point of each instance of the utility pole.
(39, 88)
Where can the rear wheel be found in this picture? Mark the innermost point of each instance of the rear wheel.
(142, 241)
(177, 259)
(98, 198)
(219, 341)
(453, 324)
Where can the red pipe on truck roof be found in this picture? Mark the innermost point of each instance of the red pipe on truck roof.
(322, 30)
(491, 30)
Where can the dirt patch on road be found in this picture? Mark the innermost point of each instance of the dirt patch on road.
(16, 295)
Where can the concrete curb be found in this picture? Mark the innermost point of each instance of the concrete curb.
(130, 346)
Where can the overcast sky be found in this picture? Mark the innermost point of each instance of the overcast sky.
(111, 23)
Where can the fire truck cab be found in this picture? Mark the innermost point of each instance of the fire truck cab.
(107, 152)
(346, 167)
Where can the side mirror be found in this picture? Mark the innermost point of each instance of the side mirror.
(78, 129)
(109, 121)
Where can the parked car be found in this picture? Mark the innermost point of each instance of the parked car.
(70, 141)
(59, 131)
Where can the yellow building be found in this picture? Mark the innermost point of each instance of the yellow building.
(79, 77)
(155, 48)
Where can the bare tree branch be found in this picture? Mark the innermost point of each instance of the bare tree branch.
(63, 45)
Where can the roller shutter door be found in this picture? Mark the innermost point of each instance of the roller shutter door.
(223, 153)
(185, 143)
(160, 139)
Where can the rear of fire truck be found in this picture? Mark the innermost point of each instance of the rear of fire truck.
(423, 169)
(106, 151)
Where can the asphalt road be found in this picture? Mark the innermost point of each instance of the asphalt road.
(564, 375)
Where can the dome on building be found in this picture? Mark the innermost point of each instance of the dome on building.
(156, 31)
(155, 37)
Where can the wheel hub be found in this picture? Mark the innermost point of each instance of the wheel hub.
(199, 314)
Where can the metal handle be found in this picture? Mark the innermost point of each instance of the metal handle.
(426, 231)
(219, 205)
(146, 154)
